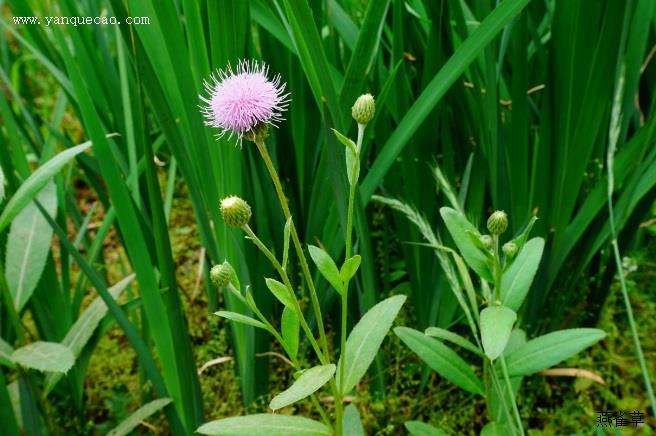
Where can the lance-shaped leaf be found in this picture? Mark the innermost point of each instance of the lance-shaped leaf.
(519, 276)
(290, 327)
(35, 183)
(460, 230)
(327, 267)
(265, 424)
(364, 341)
(82, 330)
(308, 383)
(132, 421)
(44, 356)
(352, 424)
(441, 359)
(238, 317)
(418, 428)
(28, 246)
(281, 292)
(350, 267)
(455, 338)
(545, 351)
(6, 350)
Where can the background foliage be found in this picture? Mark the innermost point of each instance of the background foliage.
(512, 103)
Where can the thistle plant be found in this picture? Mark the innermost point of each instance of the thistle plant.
(244, 104)
(505, 272)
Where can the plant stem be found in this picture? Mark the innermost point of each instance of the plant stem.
(497, 386)
(497, 270)
(613, 135)
(518, 418)
(294, 359)
(285, 278)
(634, 330)
(347, 256)
(297, 243)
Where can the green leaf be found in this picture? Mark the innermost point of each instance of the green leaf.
(459, 227)
(28, 246)
(349, 268)
(446, 335)
(308, 383)
(548, 350)
(290, 327)
(418, 428)
(238, 317)
(496, 325)
(365, 51)
(6, 350)
(424, 105)
(442, 359)
(521, 239)
(37, 181)
(495, 429)
(85, 326)
(348, 143)
(352, 424)
(265, 424)
(352, 167)
(517, 279)
(326, 267)
(132, 421)
(286, 234)
(44, 356)
(364, 341)
(2, 185)
(281, 292)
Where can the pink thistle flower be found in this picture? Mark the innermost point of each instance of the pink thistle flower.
(242, 99)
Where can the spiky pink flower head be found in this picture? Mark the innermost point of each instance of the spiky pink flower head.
(240, 100)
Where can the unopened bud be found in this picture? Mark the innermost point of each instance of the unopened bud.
(235, 211)
(221, 274)
(497, 223)
(364, 109)
(486, 241)
(509, 249)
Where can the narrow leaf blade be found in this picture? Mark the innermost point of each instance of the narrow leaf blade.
(365, 340)
(308, 383)
(441, 359)
(548, 350)
(44, 356)
(265, 424)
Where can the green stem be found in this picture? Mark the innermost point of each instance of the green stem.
(497, 270)
(634, 330)
(497, 387)
(347, 256)
(294, 359)
(297, 243)
(518, 418)
(285, 278)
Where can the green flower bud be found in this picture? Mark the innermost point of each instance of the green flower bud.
(486, 241)
(221, 274)
(509, 249)
(497, 223)
(364, 109)
(235, 211)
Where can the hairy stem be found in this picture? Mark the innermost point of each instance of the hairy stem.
(297, 243)
(518, 418)
(290, 288)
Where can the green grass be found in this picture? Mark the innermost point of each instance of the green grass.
(512, 100)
